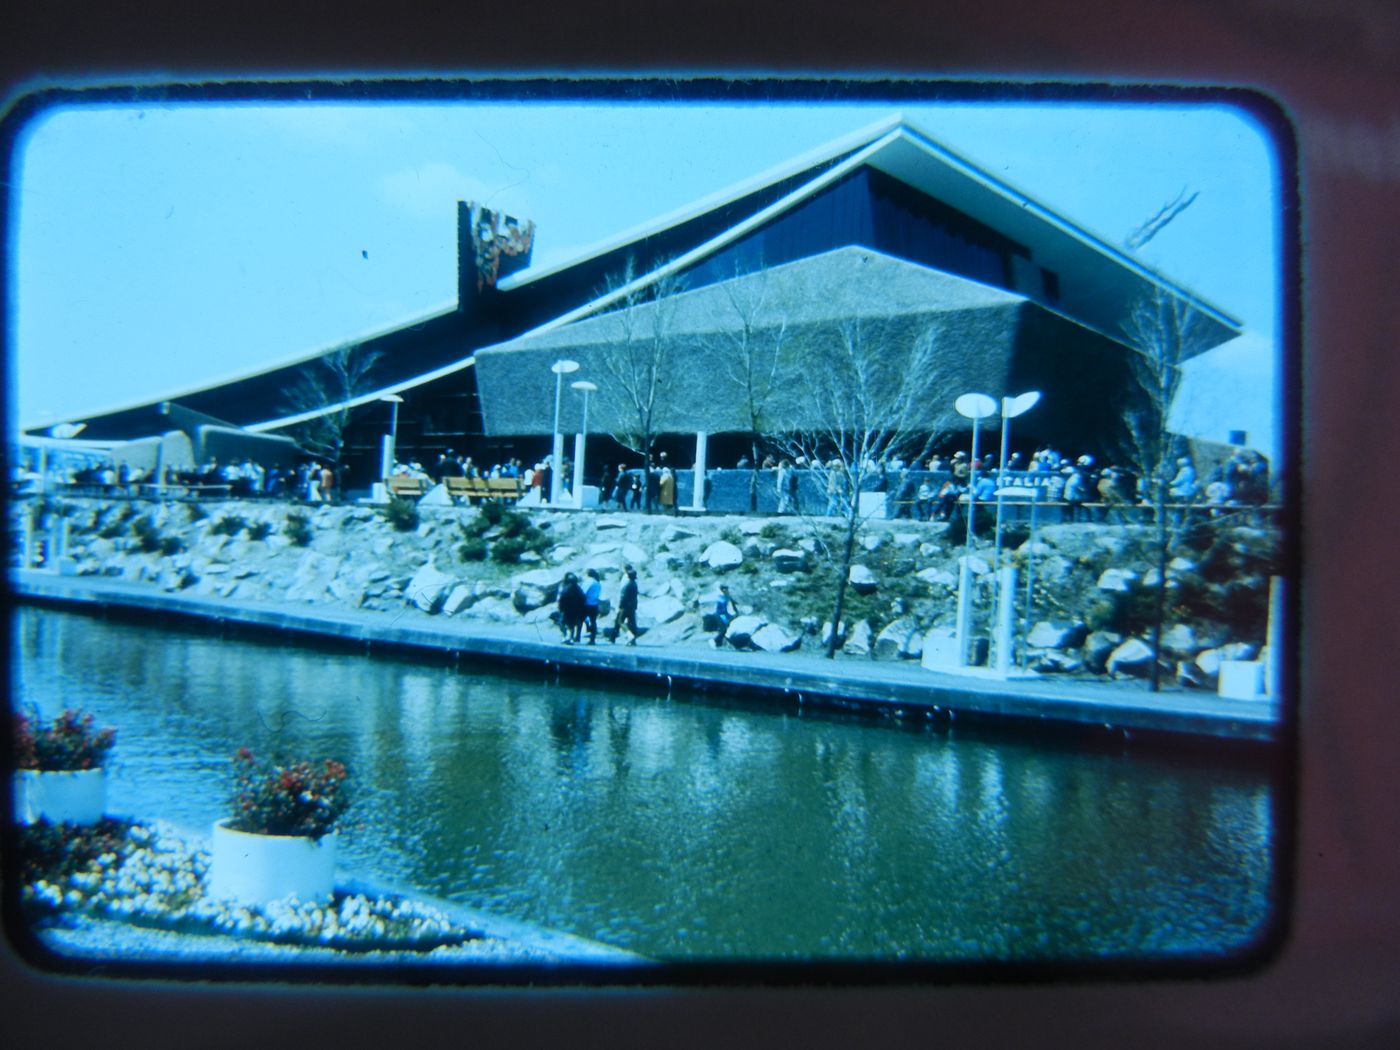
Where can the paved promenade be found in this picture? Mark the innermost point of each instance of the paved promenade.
(798, 678)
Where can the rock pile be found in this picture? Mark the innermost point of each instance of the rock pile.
(1094, 586)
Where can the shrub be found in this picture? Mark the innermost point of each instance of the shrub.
(402, 514)
(169, 545)
(298, 529)
(493, 513)
(300, 798)
(229, 525)
(67, 744)
(118, 524)
(147, 535)
(772, 531)
(508, 549)
(54, 852)
(194, 512)
(472, 549)
(259, 530)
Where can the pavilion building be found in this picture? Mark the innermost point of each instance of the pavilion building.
(885, 230)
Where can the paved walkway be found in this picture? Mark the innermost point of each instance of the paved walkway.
(901, 688)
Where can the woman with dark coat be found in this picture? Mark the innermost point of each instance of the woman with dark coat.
(571, 608)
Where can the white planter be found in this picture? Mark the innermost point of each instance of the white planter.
(1241, 679)
(77, 797)
(255, 869)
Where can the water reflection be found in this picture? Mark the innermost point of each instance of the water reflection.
(683, 828)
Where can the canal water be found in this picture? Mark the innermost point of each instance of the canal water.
(686, 828)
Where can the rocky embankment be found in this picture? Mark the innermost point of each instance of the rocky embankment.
(1094, 585)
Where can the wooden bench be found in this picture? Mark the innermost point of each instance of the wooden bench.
(402, 486)
(470, 489)
(507, 489)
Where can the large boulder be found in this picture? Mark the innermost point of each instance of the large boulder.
(525, 597)
(742, 629)
(429, 587)
(826, 634)
(893, 640)
(1047, 635)
(1052, 661)
(863, 580)
(785, 559)
(774, 639)
(858, 641)
(1098, 647)
(1117, 580)
(313, 575)
(722, 555)
(1180, 641)
(673, 533)
(461, 597)
(1209, 660)
(496, 610)
(936, 577)
(681, 629)
(633, 554)
(547, 580)
(1134, 657)
(654, 611)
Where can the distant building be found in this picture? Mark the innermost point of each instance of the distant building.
(885, 225)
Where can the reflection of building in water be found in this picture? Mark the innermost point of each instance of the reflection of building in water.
(886, 226)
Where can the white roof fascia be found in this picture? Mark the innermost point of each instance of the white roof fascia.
(714, 244)
(651, 227)
(1003, 189)
(363, 399)
(235, 377)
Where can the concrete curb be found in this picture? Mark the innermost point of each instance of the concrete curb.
(892, 689)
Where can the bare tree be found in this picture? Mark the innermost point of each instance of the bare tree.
(862, 404)
(334, 379)
(639, 368)
(749, 355)
(1163, 331)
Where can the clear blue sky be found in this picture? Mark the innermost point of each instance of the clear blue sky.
(158, 248)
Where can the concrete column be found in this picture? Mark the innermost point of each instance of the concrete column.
(578, 472)
(702, 443)
(1006, 618)
(556, 465)
(28, 541)
(1275, 638)
(386, 458)
(963, 627)
(53, 549)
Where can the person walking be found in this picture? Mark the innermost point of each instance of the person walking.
(571, 609)
(627, 609)
(592, 599)
(668, 491)
(725, 611)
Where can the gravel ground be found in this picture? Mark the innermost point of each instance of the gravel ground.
(102, 940)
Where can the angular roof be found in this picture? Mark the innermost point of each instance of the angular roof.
(1096, 280)
(975, 328)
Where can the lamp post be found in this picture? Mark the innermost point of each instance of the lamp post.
(584, 387)
(386, 458)
(560, 369)
(1011, 407)
(975, 407)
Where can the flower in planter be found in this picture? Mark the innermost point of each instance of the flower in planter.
(301, 798)
(70, 743)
